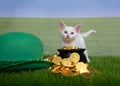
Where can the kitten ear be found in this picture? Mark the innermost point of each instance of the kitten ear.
(62, 25)
(77, 28)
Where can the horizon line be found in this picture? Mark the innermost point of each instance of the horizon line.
(60, 17)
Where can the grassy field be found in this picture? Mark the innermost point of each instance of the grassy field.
(103, 48)
(104, 43)
(107, 74)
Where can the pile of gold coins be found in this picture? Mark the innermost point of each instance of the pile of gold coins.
(69, 66)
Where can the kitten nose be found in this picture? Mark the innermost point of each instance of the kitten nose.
(68, 36)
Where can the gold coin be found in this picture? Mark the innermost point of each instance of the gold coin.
(74, 57)
(66, 62)
(66, 72)
(56, 60)
(85, 70)
(56, 69)
(80, 65)
(69, 47)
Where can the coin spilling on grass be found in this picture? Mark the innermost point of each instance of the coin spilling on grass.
(66, 62)
(69, 66)
(80, 65)
(56, 60)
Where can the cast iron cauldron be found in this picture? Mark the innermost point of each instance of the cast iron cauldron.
(66, 53)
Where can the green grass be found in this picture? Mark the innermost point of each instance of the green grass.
(103, 48)
(107, 75)
(104, 43)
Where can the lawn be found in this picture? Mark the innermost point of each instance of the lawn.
(107, 74)
(104, 43)
(103, 48)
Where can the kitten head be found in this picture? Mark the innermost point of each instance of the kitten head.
(69, 33)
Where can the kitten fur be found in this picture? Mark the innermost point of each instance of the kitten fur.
(71, 36)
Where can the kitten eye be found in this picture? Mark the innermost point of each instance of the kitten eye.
(72, 33)
(65, 32)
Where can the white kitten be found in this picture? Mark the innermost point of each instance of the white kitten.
(72, 36)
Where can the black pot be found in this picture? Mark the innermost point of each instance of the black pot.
(66, 54)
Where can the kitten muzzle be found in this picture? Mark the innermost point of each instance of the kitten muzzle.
(68, 37)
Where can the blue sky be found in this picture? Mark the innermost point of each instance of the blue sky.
(59, 8)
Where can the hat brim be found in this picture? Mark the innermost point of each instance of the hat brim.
(23, 65)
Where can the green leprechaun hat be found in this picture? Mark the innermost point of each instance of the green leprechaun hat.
(19, 50)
